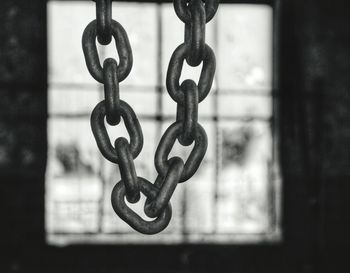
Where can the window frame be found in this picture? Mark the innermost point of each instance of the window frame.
(273, 236)
(265, 256)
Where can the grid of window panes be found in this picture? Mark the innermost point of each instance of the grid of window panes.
(234, 196)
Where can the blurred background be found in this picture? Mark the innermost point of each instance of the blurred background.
(270, 194)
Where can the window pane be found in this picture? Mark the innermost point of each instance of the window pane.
(64, 41)
(139, 21)
(245, 161)
(200, 189)
(73, 183)
(244, 106)
(76, 100)
(142, 99)
(245, 47)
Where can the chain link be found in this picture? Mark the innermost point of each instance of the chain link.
(195, 33)
(182, 9)
(134, 220)
(166, 144)
(91, 55)
(111, 90)
(127, 170)
(175, 68)
(104, 21)
(154, 207)
(186, 129)
(188, 114)
(100, 132)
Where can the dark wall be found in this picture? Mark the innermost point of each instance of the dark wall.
(22, 128)
(314, 60)
(315, 123)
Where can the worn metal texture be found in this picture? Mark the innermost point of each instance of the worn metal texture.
(167, 142)
(127, 170)
(134, 220)
(111, 91)
(188, 114)
(195, 33)
(154, 207)
(186, 128)
(104, 21)
(183, 10)
(100, 132)
(175, 68)
(91, 55)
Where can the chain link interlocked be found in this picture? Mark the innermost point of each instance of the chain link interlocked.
(186, 129)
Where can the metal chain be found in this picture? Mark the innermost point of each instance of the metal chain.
(171, 171)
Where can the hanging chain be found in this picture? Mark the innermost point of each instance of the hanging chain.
(195, 14)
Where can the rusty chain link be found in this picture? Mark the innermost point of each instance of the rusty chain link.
(186, 129)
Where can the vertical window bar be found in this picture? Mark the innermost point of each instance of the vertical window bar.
(216, 127)
(159, 87)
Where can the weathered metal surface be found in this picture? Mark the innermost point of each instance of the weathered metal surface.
(186, 129)
(91, 55)
(111, 88)
(134, 220)
(100, 132)
(175, 68)
(104, 20)
(127, 170)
